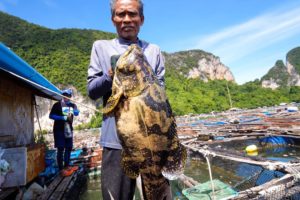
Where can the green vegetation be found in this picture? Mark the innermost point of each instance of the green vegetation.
(62, 56)
(278, 73)
(194, 96)
(94, 123)
(293, 56)
(39, 137)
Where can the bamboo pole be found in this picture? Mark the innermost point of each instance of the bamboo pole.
(271, 165)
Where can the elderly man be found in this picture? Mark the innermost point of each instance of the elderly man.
(127, 16)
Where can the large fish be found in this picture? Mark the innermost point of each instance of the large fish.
(144, 121)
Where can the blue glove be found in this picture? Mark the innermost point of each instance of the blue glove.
(58, 117)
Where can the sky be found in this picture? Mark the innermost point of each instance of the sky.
(249, 36)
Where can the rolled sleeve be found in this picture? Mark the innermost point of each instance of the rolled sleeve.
(160, 69)
(99, 83)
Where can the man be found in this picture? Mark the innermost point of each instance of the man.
(62, 113)
(127, 16)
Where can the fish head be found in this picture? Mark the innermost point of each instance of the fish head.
(133, 73)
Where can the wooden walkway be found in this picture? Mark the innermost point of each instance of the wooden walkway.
(59, 187)
(7, 193)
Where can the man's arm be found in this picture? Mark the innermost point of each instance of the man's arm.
(99, 83)
(75, 110)
(57, 117)
(160, 69)
(53, 114)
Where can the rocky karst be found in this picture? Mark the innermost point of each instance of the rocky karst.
(281, 74)
(198, 64)
(210, 68)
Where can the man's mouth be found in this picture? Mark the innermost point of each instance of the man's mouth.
(127, 28)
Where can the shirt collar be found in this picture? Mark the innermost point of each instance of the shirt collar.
(123, 41)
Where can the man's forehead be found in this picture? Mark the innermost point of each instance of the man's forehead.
(126, 3)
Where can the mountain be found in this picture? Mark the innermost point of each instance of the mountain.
(282, 75)
(62, 55)
(196, 81)
(277, 76)
(293, 66)
(198, 64)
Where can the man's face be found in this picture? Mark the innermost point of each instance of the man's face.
(66, 97)
(127, 19)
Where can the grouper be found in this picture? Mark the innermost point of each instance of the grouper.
(145, 124)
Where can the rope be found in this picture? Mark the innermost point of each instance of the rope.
(29, 81)
(210, 176)
(206, 154)
(37, 115)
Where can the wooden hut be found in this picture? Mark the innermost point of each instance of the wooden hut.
(19, 85)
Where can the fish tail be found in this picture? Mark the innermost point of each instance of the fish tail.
(155, 187)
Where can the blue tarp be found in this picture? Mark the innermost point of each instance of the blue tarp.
(277, 140)
(16, 66)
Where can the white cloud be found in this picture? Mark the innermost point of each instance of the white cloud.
(233, 43)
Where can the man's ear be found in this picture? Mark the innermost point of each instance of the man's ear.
(142, 20)
(113, 21)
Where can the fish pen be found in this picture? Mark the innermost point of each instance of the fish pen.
(271, 171)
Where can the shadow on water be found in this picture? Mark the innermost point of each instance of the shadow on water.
(93, 187)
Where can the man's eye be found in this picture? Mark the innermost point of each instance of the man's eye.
(130, 14)
(133, 14)
(122, 14)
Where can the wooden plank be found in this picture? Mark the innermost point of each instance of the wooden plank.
(285, 181)
(4, 194)
(7, 138)
(70, 192)
(59, 192)
(54, 184)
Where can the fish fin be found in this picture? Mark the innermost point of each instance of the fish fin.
(177, 154)
(112, 102)
(131, 168)
(176, 160)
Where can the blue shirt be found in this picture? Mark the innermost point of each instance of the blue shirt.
(100, 83)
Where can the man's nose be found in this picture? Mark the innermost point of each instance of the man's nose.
(127, 18)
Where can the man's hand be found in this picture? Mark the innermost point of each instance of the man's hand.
(111, 72)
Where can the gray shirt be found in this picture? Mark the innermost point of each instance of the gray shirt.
(100, 83)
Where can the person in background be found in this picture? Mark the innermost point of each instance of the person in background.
(127, 16)
(62, 113)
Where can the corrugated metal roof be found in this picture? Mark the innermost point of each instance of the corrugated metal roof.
(16, 66)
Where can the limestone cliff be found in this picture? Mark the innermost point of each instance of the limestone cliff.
(199, 64)
(210, 68)
(284, 74)
(277, 76)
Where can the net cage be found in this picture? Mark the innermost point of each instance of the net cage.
(237, 175)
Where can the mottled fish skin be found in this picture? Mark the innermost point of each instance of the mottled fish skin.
(145, 123)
